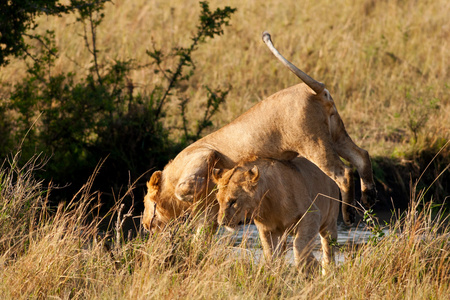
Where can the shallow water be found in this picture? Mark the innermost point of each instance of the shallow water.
(354, 235)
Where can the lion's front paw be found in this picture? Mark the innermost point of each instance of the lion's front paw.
(187, 190)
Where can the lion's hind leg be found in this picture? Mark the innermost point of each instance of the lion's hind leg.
(324, 157)
(357, 156)
(361, 160)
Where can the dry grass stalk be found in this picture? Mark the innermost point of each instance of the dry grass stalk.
(64, 256)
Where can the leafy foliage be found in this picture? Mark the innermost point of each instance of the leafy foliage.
(81, 121)
(17, 18)
(375, 228)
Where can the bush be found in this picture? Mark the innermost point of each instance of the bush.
(79, 122)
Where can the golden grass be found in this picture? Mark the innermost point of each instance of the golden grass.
(379, 59)
(66, 254)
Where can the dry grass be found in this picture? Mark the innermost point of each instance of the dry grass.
(64, 254)
(378, 59)
(383, 61)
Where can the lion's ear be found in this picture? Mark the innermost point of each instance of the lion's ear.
(216, 175)
(253, 175)
(155, 180)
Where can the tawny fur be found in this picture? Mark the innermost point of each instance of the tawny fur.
(161, 206)
(282, 197)
(297, 121)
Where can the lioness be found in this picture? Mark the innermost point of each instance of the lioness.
(167, 208)
(298, 121)
(282, 197)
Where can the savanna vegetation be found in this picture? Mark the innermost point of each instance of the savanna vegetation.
(67, 254)
(99, 94)
(137, 82)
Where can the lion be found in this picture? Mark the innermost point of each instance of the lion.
(292, 197)
(300, 121)
(157, 215)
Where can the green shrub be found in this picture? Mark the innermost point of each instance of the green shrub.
(79, 122)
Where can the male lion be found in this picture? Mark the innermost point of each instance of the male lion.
(282, 197)
(298, 121)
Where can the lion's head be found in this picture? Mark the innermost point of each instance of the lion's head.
(236, 194)
(151, 220)
(160, 205)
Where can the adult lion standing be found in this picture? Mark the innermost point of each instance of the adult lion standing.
(282, 198)
(298, 121)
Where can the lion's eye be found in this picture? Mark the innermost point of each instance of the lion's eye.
(231, 202)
